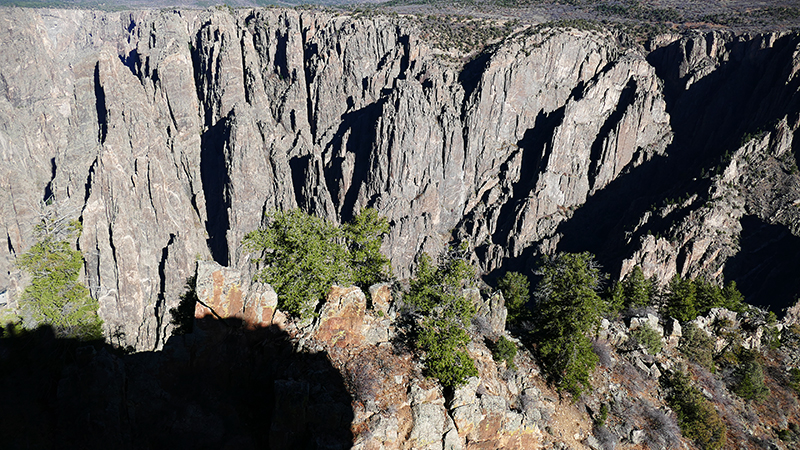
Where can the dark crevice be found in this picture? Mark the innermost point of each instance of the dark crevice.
(215, 178)
(309, 50)
(470, 76)
(131, 24)
(11, 249)
(626, 98)
(281, 60)
(113, 256)
(193, 201)
(198, 71)
(577, 92)
(300, 166)
(405, 59)
(100, 105)
(48, 190)
(535, 150)
(133, 62)
(361, 124)
(159, 309)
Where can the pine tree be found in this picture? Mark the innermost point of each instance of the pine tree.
(568, 311)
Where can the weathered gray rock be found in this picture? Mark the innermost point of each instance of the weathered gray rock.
(429, 417)
(651, 321)
(490, 313)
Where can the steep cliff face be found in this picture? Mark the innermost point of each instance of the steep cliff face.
(732, 211)
(170, 133)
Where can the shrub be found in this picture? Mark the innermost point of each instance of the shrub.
(689, 298)
(364, 237)
(505, 350)
(55, 296)
(569, 309)
(794, 379)
(697, 417)
(698, 346)
(734, 300)
(648, 338)
(303, 256)
(771, 337)
(444, 313)
(750, 374)
(516, 291)
(616, 299)
(601, 416)
(707, 296)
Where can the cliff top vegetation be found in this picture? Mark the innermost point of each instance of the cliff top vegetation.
(644, 16)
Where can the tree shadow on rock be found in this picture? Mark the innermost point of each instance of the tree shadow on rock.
(222, 386)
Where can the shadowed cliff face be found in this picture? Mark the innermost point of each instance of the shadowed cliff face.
(169, 134)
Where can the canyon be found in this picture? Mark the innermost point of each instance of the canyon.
(169, 134)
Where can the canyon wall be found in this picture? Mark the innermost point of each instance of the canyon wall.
(169, 134)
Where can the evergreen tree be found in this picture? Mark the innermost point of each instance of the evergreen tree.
(516, 291)
(681, 300)
(444, 313)
(707, 296)
(55, 296)
(568, 311)
(734, 300)
(637, 288)
(302, 256)
(364, 235)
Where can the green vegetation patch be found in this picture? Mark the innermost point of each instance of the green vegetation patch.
(637, 10)
(463, 33)
(443, 315)
(687, 299)
(648, 338)
(516, 292)
(505, 350)
(698, 346)
(568, 311)
(633, 291)
(697, 417)
(302, 256)
(750, 383)
(55, 296)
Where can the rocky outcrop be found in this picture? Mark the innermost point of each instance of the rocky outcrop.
(394, 405)
(569, 118)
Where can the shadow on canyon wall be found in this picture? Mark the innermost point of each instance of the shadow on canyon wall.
(222, 386)
(765, 269)
(710, 119)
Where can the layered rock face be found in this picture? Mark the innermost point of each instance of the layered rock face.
(170, 133)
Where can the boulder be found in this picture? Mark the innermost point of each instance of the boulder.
(341, 318)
